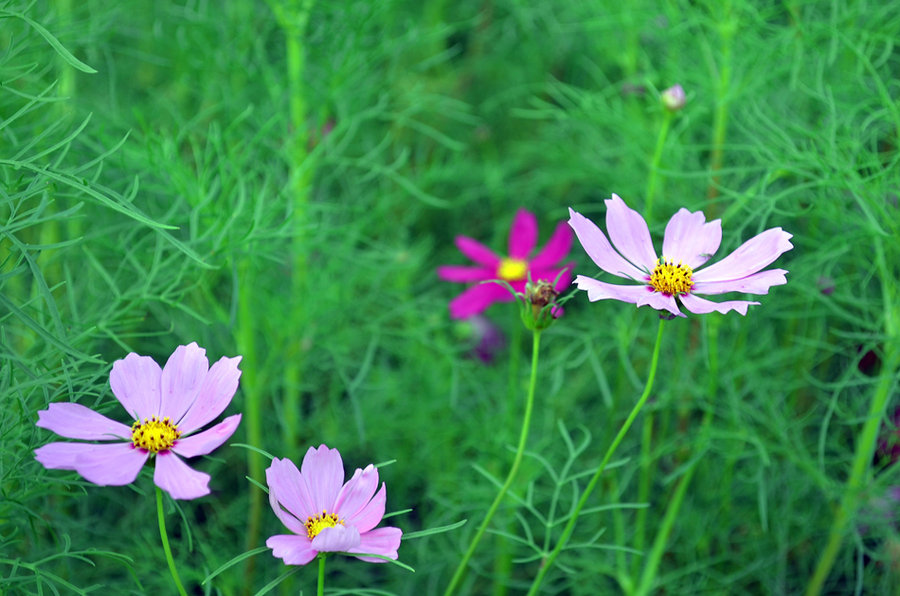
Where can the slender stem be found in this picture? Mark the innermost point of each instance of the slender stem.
(640, 524)
(320, 586)
(654, 166)
(165, 542)
(570, 526)
(520, 452)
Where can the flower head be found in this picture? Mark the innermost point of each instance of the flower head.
(324, 514)
(673, 98)
(513, 269)
(675, 277)
(167, 406)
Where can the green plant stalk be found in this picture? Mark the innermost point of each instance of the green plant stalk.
(165, 542)
(727, 30)
(653, 175)
(640, 523)
(460, 572)
(320, 585)
(865, 446)
(570, 526)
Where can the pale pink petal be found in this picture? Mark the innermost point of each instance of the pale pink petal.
(477, 251)
(208, 440)
(750, 257)
(690, 240)
(75, 421)
(181, 380)
(600, 250)
(463, 274)
(289, 488)
(758, 283)
(629, 233)
(104, 464)
(383, 541)
(370, 515)
(179, 479)
(336, 539)
(355, 494)
(699, 306)
(215, 394)
(291, 523)
(522, 234)
(323, 471)
(477, 298)
(135, 383)
(637, 295)
(293, 550)
(556, 249)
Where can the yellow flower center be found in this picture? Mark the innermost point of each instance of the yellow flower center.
(671, 279)
(154, 435)
(316, 524)
(512, 269)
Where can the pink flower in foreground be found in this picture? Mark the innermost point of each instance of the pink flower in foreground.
(670, 280)
(324, 514)
(513, 269)
(167, 405)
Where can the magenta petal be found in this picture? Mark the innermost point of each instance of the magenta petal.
(337, 539)
(135, 383)
(758, 283)
(700, 306)
(556, 249)
(208, 440)
(522, 234)
(478, 252)
(104, 464)
(477, 298)
(179, 479)
(289, 488)
(370, 515)
(748, 258)
(462, 274)
(323, 471)
(181, 380)
(75, 421)
(564, 276)
(599, 249)
(629, 233)
(215, 394)
(637, 295)
(293, 550)
(383, 541)
(355, 494)
(690, 240)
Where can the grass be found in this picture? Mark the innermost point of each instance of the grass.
(280, 180)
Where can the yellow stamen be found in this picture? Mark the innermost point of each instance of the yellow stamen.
(512, 269)
(671, 279)
(154, 435)
(316, 524)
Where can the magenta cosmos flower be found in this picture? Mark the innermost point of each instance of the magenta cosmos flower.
(324, 514)
(513, 269)
(667, 281)
(167, 405)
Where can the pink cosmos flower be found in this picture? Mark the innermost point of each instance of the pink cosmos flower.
(513, 269)
(670, 280)
(167, 405)
(324, 514)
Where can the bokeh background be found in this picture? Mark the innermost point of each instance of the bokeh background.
(281, 179)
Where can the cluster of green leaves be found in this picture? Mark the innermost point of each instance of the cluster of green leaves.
(205, 185)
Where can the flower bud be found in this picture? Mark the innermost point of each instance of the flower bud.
(673, 98)
(539, 308)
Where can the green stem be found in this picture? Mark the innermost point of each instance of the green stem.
(520, 452)
(654, 166)
(570, 526)
(165, 542)
(640, 524)
(320, 586)
(865, 446)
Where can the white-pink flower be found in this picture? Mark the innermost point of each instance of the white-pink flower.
(167, 406)
(668, 281)
(326, 515)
